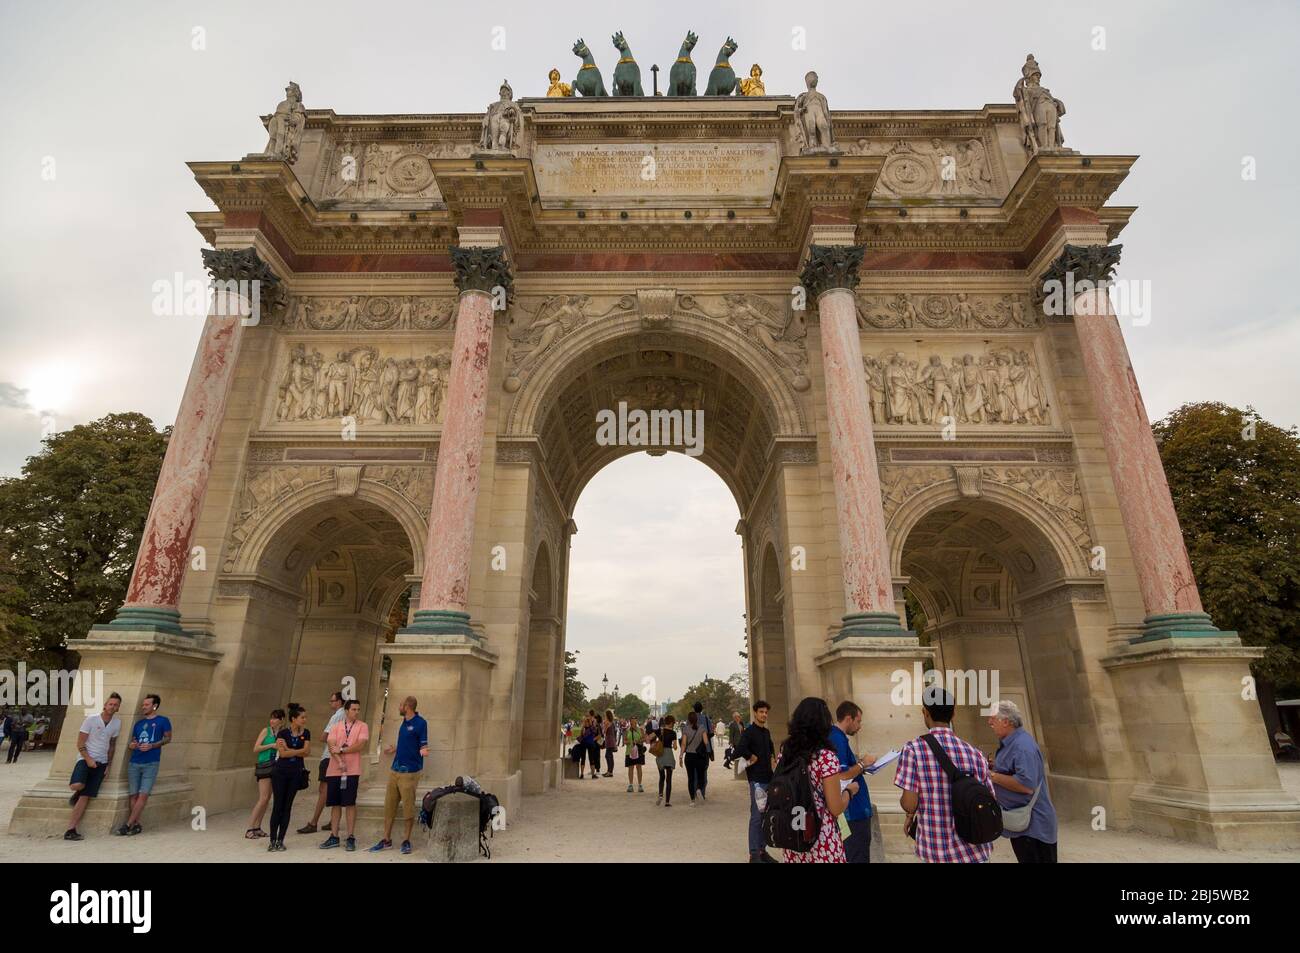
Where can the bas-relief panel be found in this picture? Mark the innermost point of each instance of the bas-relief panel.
(941, 382)
(372, 385)
(388, 170)
(909, 310)
(934, 167)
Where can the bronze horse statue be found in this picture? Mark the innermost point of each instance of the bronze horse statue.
(681, 78)
(722, 81)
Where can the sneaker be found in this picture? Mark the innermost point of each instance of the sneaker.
(659, 800)
(72, 835)
(382, 845)
(667, 805)
(703, 796)
(640, 789)
(629, 789)
(135, 829)
(272, 847)
(123, 830)
(350, 844)
(279, 845)
(329, 842)
(406, 847)
(307, 829)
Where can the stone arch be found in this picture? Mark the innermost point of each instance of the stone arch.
(542, 678)
(280, 525)
(1034, 521)
(770, 676)
(588, 344)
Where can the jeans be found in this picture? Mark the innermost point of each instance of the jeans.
(284, 787)
(695, 772)
(756, 843)
(666, 783)
(609, 760)
(857, 849)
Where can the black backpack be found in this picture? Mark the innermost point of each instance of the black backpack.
(488, 806)
(790, 820)
(976, 814)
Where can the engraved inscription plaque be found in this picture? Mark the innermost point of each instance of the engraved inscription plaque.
(656, 173)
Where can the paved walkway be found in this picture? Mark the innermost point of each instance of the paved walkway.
(583, 821)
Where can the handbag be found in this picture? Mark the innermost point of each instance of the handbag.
(1016, 819)
(304, 779)
(657, 746)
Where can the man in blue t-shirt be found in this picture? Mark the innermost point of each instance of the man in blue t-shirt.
(409, 752)
(150, 732)
(848, 722)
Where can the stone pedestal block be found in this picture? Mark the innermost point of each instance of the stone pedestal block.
(132, 663)
(453, 834)
(1197, 737)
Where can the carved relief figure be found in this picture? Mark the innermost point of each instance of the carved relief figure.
(875, 388)
(1000, 387)
(1040, 112)
(555, 317)
(906, 311)
(357, 384)
(286, 125)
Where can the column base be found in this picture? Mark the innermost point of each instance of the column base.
(1179, 625)
(144, 619)
(440, 622)
(872, 625)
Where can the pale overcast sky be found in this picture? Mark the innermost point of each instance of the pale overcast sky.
(119, 98)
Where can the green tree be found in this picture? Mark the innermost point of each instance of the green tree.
(631, 706)
(1235, 482)
(719, 698)
(70, 527)
(575, 692)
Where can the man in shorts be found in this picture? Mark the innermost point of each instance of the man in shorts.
(96, 743)
(408, 764)
(150, 732)
(345, 742)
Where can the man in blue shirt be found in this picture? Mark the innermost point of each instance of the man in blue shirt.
(409, 752)
(848, 722)
(1019, 776)
(150, 732)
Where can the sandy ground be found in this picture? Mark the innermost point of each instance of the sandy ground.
(584, 821)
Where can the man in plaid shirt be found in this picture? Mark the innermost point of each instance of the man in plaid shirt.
(927, 792)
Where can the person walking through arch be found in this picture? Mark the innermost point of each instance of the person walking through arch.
(634, 757)
(665, 741)
(694, 741)
(610, 732)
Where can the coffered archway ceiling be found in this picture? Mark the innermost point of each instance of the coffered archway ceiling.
(971, 559)
(737, 435)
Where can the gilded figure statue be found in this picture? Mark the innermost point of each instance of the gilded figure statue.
(557, 88)
(754, 85)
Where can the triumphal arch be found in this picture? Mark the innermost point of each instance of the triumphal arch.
(376, 461)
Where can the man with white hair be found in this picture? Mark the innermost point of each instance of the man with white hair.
(1020, 781)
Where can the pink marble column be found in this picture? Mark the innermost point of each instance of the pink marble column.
(164, 554)
(832, 274)
(1164, 572)
(482, 275)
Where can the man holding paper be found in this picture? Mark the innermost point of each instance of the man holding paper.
(857, 840)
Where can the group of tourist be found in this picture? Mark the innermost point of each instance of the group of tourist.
(17, 727)
(1016, 776)
(281, 752)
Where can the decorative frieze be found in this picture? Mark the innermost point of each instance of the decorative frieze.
(905, 311)
(369, 313)
(388, 170)
(933, 167)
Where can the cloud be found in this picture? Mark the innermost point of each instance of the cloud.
(13, 397)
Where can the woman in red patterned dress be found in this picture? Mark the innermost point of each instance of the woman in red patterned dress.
(810, 734)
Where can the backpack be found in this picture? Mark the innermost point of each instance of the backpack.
(488, 805)
(976, 814)
(791, 821)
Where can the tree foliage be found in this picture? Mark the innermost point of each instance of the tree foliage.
(575, 692)
(720, 698)
(1235, 482)
(69, 530)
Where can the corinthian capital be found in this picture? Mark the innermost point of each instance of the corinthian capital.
(238, 264)
(1080, 263)
(831, 266)
(482, 269)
